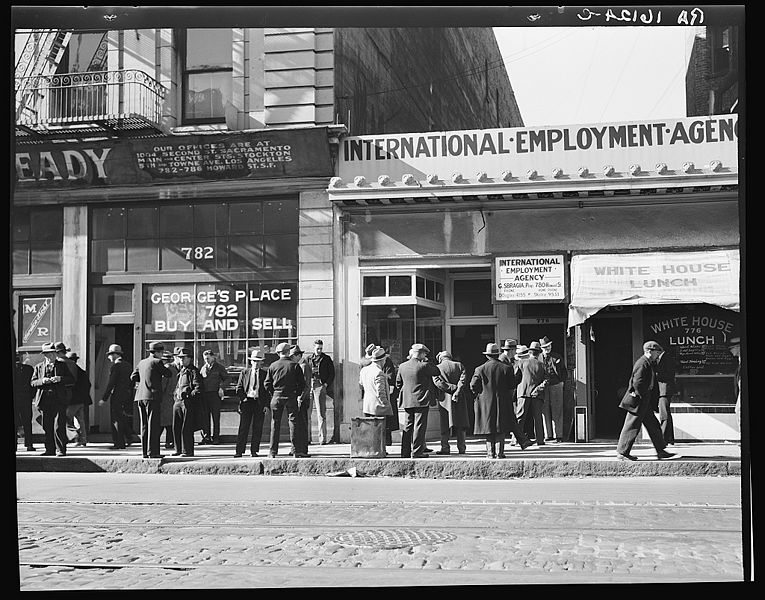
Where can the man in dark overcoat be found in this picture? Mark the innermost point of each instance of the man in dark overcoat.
(148, 375)
(304, 404)
(417, 382)
(253, 402)
(119, 394)
(285, 383)
(187, 402)
(453, 405)
(23, 395)
(492, 385)
(665, 378)
(639, 401)
(79, 404)
(51, 379)
(531, 374)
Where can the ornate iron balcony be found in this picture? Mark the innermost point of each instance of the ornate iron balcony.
(128, 99)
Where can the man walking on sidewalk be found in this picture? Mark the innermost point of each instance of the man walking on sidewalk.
(639, 399)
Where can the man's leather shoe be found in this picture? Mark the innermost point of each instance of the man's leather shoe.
(237, 456)
(271, 455)
(155, 456)
(527, 445)
(423, 455)
(443, 452)
(176, 454)
(428, 450)
(625, 457)
(254, 454)
(60, 453)
(664, 455)
(462, 451)
(301, 455)
(48, 454)
(501, 456)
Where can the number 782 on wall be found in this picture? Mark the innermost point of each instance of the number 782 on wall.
(199, 253)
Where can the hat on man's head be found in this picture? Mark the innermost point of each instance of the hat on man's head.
(652, 346)
(295, 350)
(167, 355)
(378, 354)
(535, 346)
(509, 344)
(60, 347)
(156, 347)
(545, 341)
(114, 349)
(318, 343)
(492, 349)
(176, 350)
(735, 341)
(369, 349)
(48, 347)
(282, 348)
(72, 356)
(522, 351)
(257, 355)
(185, 353)
(208, 353)
(420, 348)
(444, 354)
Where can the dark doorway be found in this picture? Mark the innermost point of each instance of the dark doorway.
(105, 336)
(612, 357)
(468, 345)
(534, 332)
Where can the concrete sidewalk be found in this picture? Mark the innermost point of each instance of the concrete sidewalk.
(552, 460)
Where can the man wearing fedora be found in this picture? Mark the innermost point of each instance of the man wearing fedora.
(50, 379)
(77, 411)
(375, 385)
(552, 395)
(119, 393)
(507, 355)
(417, 381)
(285, 383)
(186, 403)
(148, 374)
(253, 402)
(530, 373)
(492, 384)
(639, 400)
(168, 389)
(453, 405)
(304, 405)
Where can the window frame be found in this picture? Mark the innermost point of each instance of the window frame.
(185, 72)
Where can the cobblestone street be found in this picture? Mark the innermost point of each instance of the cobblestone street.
(115, 545)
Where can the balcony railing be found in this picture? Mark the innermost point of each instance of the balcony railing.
(126, 99)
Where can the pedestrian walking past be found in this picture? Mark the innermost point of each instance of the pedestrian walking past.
(492, 385)
(50, 379)
(734, 347)
(639, 400)
(376, 401)
(285, 383)
(254, 399)
(23, 395)
(186, 402)
(304, 405)
(552, 395)
(79, 405)
(168, 389)
(531, 373)
(322, 378)
(453, 404)
(665, 377)
(148, 374)
(119, 393)
(417, 382)
(214, 378)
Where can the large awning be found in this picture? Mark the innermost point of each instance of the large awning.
(600, 280)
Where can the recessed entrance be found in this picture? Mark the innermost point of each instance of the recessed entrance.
(612, 354)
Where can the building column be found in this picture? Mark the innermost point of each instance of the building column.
(74, 279)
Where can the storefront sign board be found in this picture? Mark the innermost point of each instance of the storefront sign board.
(529, 278)
(36, 320)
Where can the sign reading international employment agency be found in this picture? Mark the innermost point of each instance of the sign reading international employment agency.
(529, 278)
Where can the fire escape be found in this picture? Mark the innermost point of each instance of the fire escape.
(97, 102)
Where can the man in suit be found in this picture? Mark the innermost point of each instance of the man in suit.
(507, 355)
(492, 385)
(77, 411)
(304, 404)
(253, 402)
(552, 395)
(186, 402)
(119, 394)
(531, 374)
(51, 378)
(148, 375)
(665, 378)
(453, 405)
(417, 382)
(284, 383)
(23, 394)
(638, 401)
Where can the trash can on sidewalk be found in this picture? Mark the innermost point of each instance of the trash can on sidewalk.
(368, 437)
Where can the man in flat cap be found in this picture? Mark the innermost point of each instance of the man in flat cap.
(639, 399)
(285, 383)
(50, 378)
(148, 374)
(417, 381)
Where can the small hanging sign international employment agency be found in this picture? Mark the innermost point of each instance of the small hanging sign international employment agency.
(530, 278)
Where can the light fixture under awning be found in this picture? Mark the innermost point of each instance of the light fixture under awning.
(600, 280)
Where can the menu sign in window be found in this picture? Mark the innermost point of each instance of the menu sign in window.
(696, 335)
(528, 278)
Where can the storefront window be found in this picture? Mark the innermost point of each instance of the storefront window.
(108, 299)
(37, 240)
(374, 286)
(472, 297)
(398, 327)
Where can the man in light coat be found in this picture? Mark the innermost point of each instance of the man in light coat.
(638, 401)
(375, 385)
(453, 405)
(492, 385)
(531, 373)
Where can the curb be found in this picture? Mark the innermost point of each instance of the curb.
(390, 467)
